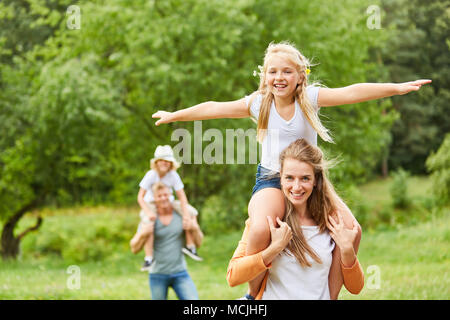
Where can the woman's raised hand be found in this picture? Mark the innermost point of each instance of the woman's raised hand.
(164, 117)
(406, 87)
(342, 236)
(281, 235)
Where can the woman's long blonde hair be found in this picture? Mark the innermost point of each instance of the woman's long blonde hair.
(321, 203)
(288, 51)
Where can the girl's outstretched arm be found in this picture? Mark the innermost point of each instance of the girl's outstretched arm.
(360, 92)
(205, 111)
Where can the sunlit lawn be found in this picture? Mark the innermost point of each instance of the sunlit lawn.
(378, 191)
(410, 262)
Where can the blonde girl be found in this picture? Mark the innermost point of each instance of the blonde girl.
(286, 109)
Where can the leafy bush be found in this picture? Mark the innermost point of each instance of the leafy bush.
(85, 237)
(221, 215)
(399, 189)
(359, 206)
(439, 165)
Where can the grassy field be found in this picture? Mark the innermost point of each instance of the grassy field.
(409, 262)
(377, 191)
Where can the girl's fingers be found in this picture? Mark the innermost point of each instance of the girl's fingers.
(423, 81)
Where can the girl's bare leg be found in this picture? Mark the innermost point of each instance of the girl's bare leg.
(189, 239)
(148, 246)
(265, 202)
(140, 238)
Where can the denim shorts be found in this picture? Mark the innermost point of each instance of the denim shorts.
(266, 178)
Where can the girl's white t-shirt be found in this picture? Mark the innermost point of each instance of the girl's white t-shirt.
(171, 179)
(280, 132)
(288, 280)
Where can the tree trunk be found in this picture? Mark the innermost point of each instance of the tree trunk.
(384, 168)
(10, 243)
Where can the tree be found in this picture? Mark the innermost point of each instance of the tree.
(419, 48)
(78, 105)
(23, 25)
(439, 165)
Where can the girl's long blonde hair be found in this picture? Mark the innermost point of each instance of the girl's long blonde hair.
(302, 64)
(321, 203)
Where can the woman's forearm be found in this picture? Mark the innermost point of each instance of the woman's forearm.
(348, 256)
(243, 268)
(269, 254)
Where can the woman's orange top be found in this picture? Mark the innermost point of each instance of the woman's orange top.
(242, 268)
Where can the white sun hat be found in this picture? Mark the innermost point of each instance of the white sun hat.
(164, 153)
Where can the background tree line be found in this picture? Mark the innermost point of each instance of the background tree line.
(76, 105)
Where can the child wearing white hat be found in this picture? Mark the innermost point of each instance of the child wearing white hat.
(163, 167)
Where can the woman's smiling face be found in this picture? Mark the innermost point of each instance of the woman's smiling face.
(281, 76)
(297, 181)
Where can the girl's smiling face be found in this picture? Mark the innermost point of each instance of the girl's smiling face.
(163, 166)
(297, 181)
(282, 77)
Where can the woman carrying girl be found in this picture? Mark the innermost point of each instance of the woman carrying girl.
(302, 260)
(286, 108)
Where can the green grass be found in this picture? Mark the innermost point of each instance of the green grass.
(413, 260)
(413, 263)
(377, 192)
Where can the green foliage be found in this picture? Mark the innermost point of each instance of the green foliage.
(27, 23)
(359, 206)
(418, 48)
(372, 204)
(75, 105)
(399, 189)
(82, 238)
(439, 165)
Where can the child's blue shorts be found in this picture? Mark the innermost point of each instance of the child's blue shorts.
(266, 178)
